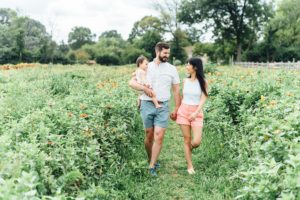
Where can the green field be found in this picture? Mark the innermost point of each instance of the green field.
(74, 132)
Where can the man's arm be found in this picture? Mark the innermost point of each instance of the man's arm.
(136, 86)
(176, 94)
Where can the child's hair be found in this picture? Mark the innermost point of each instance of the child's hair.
(140, 60)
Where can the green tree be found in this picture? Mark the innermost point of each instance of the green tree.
(7, 16)
(286, 31)
(177, 43)
(171, 25)
(131, 53)
(239, 20)
(21, 38)
(146, 24)
(148, 41)
(7, 36)
(110, 34)
(80, 36)
(281, 35)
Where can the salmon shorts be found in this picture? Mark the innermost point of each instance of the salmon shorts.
(185, 111)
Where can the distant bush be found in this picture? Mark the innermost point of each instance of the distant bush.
(108, 59)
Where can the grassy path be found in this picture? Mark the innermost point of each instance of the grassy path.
(173, 182)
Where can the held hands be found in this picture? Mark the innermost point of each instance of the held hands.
(173, 115)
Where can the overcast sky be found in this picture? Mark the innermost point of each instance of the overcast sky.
(61, 16)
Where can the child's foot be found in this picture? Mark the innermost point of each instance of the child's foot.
(191, 171)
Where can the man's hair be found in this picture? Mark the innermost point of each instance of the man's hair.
(140, 60)
(161, 45)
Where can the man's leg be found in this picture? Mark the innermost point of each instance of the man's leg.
(157, 145)
(149, 136)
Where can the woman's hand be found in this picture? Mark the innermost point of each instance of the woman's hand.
(193, 116)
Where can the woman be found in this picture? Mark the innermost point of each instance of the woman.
(190, 113)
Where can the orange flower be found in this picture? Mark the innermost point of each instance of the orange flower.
(70, 114)
(84, 115)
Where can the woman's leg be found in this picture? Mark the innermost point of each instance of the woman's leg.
(197, 132)
(186, 131)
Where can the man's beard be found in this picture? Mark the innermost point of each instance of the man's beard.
(163, 59)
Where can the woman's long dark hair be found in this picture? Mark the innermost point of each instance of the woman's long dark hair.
(198, 66)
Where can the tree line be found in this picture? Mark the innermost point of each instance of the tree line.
(246, 30)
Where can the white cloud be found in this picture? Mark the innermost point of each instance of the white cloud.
(60, 16)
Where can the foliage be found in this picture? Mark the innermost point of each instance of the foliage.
(80, 36)
(64, 131)
(238, 20)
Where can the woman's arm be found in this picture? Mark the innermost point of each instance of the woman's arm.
(202, 101)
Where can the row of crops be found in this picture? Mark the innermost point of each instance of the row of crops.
(74, 132)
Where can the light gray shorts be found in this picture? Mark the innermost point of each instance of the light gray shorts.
(153, 116)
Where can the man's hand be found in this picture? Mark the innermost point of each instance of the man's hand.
(173, 115)
(148, 86)
(148, 91)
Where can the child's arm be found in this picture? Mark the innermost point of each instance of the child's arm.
(144, 79)
(134, 84)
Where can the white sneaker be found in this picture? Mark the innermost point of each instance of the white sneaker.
(191, 171)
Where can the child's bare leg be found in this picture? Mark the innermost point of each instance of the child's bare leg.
(139, 102)
(154, 100)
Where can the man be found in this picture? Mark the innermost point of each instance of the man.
(163, 76)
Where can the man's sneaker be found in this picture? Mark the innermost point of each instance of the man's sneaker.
(156, 166)
(153, 172)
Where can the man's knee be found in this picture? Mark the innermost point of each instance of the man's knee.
(159, 136)
(149, 135)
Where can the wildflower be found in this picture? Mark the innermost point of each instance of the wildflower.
(84, 115)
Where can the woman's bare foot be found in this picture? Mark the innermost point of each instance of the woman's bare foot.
(191, 171)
